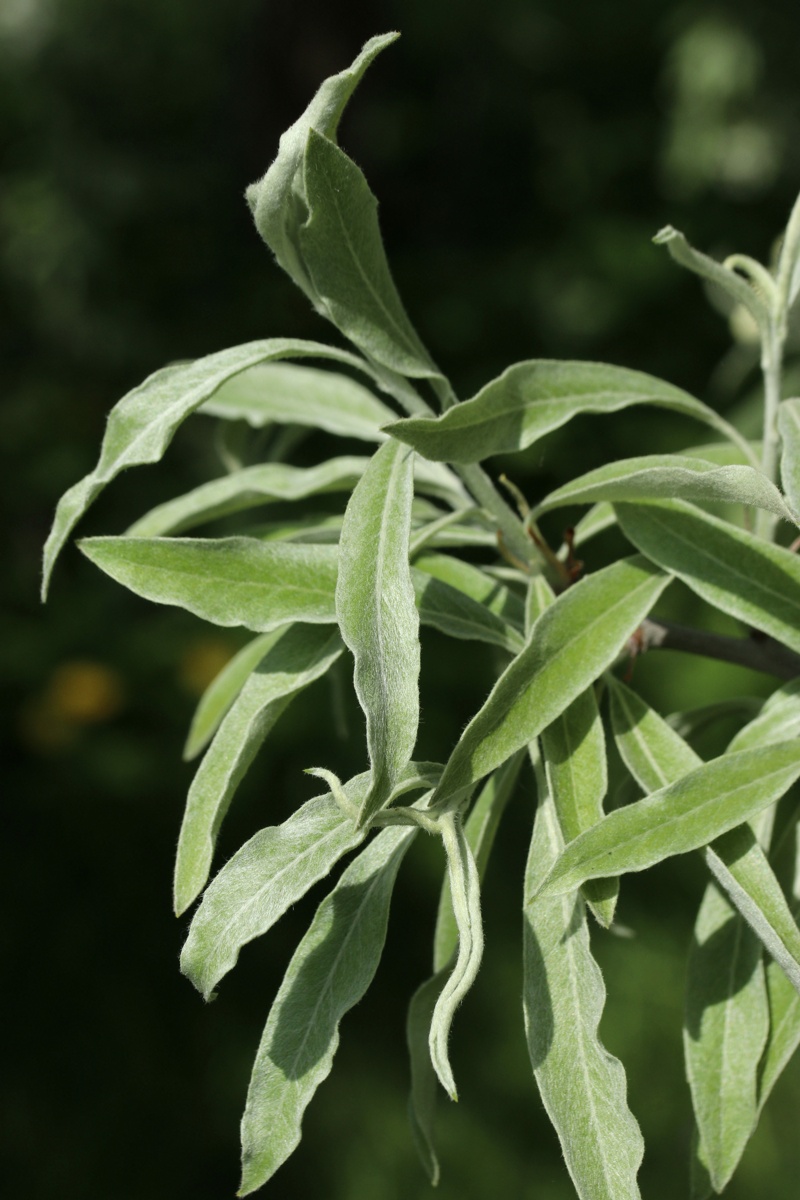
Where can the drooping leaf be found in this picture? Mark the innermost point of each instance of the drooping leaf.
(573, 750)
(465, 893)
(777, 721)
(725, 1030)
(453, 612)
(263, 879)
(654, 753)
(228, 581)
(143, 423)
(670, 476)
(277, 200)
(285, 394)
(245, 489)
(582, 1086)
(685, 815)
(223, 690)
(479, 831)
(299, 656)
(533, 398)
(343, 254)
(570, 645)
(476, 584)
(751, 579)
(539, 596)
(789, 428)
(329, 972)
(377, 615)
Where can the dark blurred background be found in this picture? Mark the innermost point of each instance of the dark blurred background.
(524, 153)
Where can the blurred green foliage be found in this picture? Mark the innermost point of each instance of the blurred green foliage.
(524, 152)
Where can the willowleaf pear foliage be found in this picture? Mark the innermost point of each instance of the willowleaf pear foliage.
(417, 534)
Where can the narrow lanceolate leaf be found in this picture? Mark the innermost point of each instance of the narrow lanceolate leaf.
(299, 656)
(715, 272)
(330, 971)
(378, 616)
(570, 645)
(789, 427)
(683, 816)
(582, 1086)
(574, 754)
(263, 879)
(452, 612)
(784, 1028)
(475, 583)
(532, 398)
(671, 476)
(479, 831)
(539, 596)
(656, 756)
(228, 581)
(223, 690)
(143, 423)
(285, 394)
(344, 256)
(465, 892)
(277, 201)
(248, 488)
(745, 576)
(725, 1030)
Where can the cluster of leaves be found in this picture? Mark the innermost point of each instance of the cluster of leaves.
(364, 579)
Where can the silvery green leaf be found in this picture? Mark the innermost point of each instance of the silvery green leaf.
(453, 612)
(656, 756)
(473, 582)
(573, 751)
(670, 476)
(285, 394)
(685, 815)
(533, 398)
(784, 1031)
(223, 690)
(378, 617)
(435, 479)
(316, 528)
(725, 1031)
(707, 268)
(143, 423)
(777, 721)
(343, 254)
(277, 200)
(744, 576)
(245, 489)
(299, 656)
(465, 893)
(330, 971)
(599, 518)
(582, 1086)
(263, 879)
(570, 646)
(651, 749)
(789, 428)
(479, 829)
(451, 529)
(228, 581)
(538, 597)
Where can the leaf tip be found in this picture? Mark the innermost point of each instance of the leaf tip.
(665, 235)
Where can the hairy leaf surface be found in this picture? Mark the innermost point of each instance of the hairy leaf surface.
(570, 645)
(533, 398)
(789, 427)
(223, 690)
(670, 476)
(582, 1086)
(330, 971)
(299, 656)
(228, 581)
(683, 816)
(143, 423)
(277, 200)
(745, 576)
(378, 617)
(263, 879)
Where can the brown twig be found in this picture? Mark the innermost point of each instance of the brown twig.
(760, 653)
